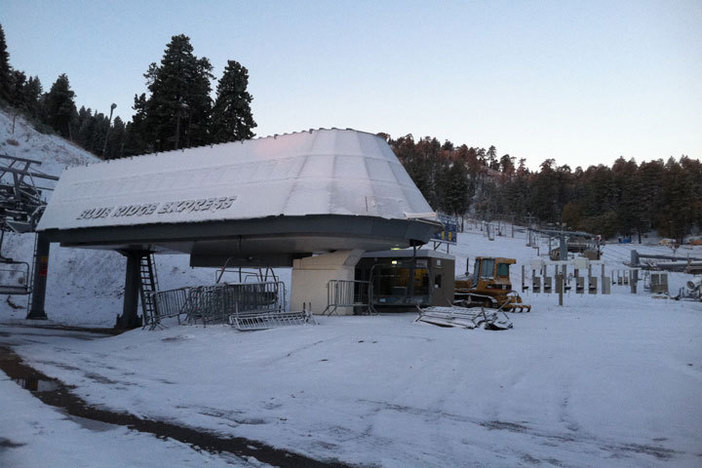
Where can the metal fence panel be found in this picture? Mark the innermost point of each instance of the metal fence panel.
(347, 293)
(246, 306)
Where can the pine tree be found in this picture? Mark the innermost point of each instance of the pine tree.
(544, 194)
(455, 190)
(516, 193)
(85, 126)
(493, 163)
(60, 107)
(681, 199)
(507, 165)
(31, 93)
(99, 129)
(5, 69)
(231, 114)
(447, 146)
(630, 211)
(116, 139)
(176, 113)
(18, 80)
(427, 168)
(135, 132)
(651, 176)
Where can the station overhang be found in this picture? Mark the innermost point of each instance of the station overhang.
(261, 202)
(274, 241)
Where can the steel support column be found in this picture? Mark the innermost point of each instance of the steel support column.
(41, 270)
(132, 283)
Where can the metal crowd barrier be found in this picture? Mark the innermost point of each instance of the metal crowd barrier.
(347, 293)
(269, 318)
(214, 304)
(169, 303)
(246, 306)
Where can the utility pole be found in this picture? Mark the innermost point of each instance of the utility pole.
(109, 126)
(563, 254)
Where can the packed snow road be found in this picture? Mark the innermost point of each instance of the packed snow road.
(81, 422)
(604, 381)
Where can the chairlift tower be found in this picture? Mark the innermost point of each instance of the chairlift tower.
(21, 206)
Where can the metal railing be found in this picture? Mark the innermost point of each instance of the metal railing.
(167, 304)
(269, 318)
(348, 294)
(246, 306)
(216, 303)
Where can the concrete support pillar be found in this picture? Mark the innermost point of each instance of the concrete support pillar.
(132, 283)
(310, 276)
(40, 275)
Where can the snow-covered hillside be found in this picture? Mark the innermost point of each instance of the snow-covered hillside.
(85, 287)
(19, 139)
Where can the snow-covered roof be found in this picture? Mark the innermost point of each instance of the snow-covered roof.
(316, 172)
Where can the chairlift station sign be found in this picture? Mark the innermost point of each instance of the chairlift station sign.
(147, 209)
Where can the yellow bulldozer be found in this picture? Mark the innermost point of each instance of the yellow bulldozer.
(489, 286)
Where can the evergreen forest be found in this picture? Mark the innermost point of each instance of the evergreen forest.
(627, 199)
(179, 110)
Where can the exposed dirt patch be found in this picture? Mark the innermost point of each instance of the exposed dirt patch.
(54, 393)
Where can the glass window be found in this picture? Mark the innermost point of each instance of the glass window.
(503, 269)
(421, 281)
(394, 281)
(390, 281)
(487, 269)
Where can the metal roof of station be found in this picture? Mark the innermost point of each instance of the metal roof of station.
(264, 201)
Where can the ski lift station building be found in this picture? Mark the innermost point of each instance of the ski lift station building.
(313, 200)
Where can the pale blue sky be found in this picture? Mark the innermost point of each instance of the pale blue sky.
(583, 82)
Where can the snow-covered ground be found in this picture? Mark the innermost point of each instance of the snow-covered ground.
(592, 384)
(34, 434)
(605, 380)
(610, 380)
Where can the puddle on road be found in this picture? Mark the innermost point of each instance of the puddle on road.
(55, 393)
(36, 384)
(25, 376)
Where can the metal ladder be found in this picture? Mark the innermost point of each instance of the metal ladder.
(148, 286)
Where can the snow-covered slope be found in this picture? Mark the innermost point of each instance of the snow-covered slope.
(19, 139)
